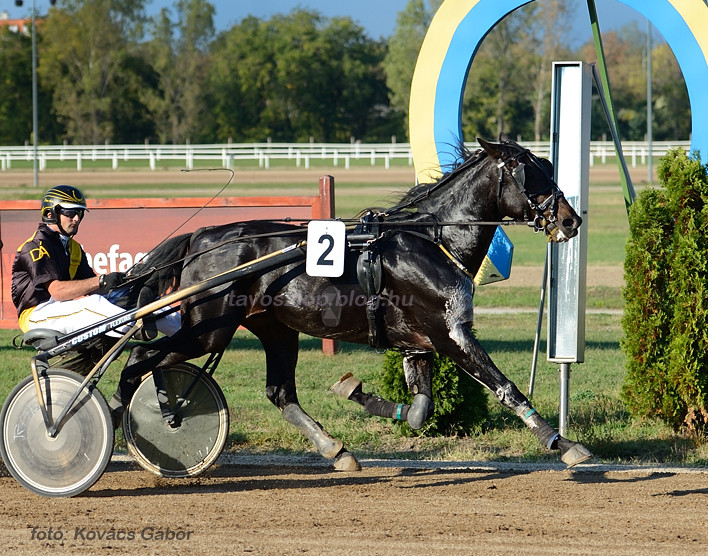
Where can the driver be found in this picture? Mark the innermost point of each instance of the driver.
(53, 285)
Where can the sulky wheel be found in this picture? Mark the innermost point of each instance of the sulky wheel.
(76, 457)
(196, 439)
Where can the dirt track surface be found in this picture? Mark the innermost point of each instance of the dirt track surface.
(286, 509)
(401, 176)
(522, 276)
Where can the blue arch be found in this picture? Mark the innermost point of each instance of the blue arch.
(457, 31)
(682, 33)
(453, 74)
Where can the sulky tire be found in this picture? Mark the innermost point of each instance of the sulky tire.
(77, 456)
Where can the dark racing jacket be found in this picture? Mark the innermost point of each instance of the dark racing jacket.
(40, 260)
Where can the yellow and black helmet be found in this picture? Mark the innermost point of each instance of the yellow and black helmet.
(64, 196)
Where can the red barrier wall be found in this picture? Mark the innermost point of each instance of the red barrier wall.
(116, 231)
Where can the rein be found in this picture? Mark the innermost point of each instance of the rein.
(303, 230)
(153, 269)
(517, 178)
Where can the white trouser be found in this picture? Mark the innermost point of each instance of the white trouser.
(69, 316)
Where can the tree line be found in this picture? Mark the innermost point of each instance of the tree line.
(109, 74)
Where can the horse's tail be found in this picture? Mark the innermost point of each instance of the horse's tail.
(160, 271)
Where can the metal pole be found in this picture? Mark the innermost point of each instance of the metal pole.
(606, 98)
(539, 321)
(649, 104)
(564, 371)
(34, 96)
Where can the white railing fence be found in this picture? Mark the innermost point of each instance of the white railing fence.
(300, 154)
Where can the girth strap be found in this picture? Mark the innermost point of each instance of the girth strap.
(369, 275)
(369, 272)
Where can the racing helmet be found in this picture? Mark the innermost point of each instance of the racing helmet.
(64, 196)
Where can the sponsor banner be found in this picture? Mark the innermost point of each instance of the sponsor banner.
(116, 233)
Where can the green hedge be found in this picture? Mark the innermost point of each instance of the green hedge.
(460, 401)
(666, 297)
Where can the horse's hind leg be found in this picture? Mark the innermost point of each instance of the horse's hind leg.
(281, 348)
(418, 370)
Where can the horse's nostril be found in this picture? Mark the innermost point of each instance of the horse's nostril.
(569, 223)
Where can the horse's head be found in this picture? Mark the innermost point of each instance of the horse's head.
(527, 190)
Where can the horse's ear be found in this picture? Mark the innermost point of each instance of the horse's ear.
(492, 149)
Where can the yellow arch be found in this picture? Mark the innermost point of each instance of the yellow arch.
(457, 30)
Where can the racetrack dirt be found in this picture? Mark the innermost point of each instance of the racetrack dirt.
(401, 176)
(306, 508)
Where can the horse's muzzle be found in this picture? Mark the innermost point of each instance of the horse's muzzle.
(559, 231)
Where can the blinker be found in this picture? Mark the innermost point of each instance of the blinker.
(519, 174)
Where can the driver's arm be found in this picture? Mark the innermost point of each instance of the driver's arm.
(66, 290)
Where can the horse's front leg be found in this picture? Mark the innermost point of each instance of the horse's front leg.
(468, 353)
(281, 348)
(418, 370)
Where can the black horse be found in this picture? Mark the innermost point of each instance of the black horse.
(414, 269)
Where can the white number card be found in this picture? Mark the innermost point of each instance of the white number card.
(326, 241)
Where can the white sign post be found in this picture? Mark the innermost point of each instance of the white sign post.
(570, 153)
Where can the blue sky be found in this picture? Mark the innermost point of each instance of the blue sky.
(378, 17)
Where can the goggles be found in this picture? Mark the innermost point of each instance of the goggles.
(72, 212)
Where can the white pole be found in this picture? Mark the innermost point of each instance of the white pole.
(570, 154)
(34, 96)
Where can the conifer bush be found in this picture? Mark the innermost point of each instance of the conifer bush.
(460, 401)
(666, 298)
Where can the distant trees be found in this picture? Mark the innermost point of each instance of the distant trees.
(626, 64)
(508, 89)
(108, 74)
(300, 76)
(545, 44)
(411, 26)
(15, 88)
(672, 113)
(88, 59)
(179, 54)
(498, 95)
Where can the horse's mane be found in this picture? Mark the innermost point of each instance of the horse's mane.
(159, 270)
(465, 159)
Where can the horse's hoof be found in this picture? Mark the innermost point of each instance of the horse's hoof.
(346, 462)
(576, 454)
(329, 447)
(346, 385)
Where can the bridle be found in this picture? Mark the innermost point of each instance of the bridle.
(518, 178)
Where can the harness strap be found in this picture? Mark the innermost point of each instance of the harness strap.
(369, 259)
(456, 261)
(437, 240)
(374, 306)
